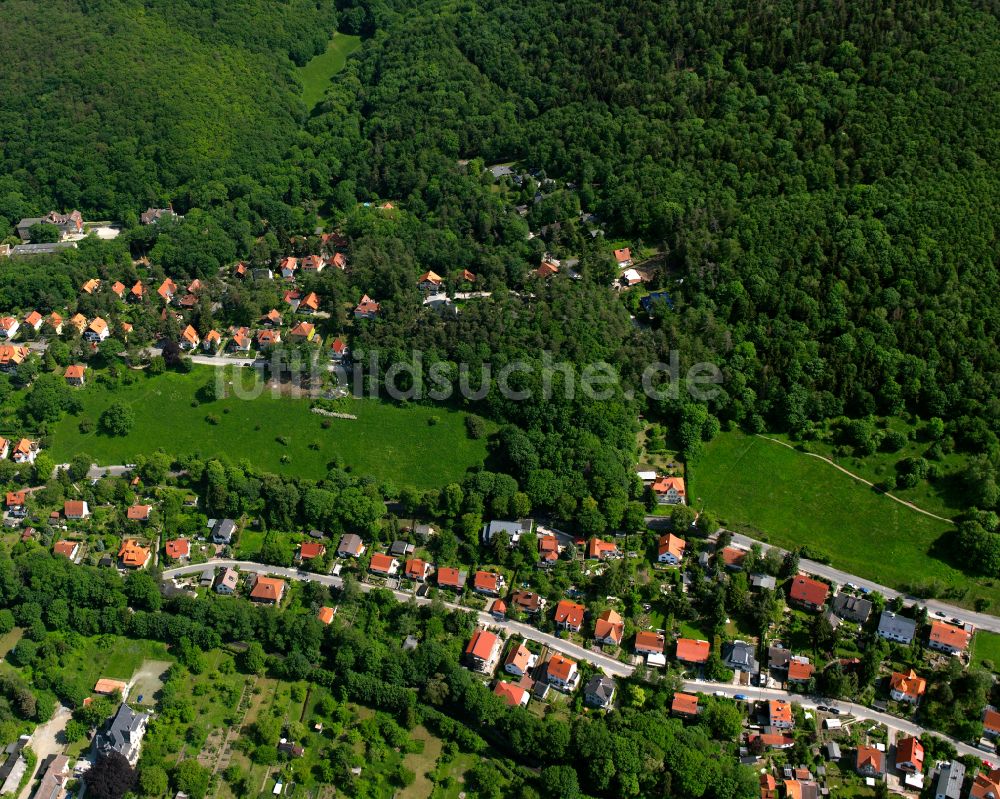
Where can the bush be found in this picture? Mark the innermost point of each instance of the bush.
(86, 426)
(475, 426)
(212, 418)
(433, 420)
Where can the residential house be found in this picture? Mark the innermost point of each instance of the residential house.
(108, 687)
(623, 257)
(308, 550)
(511, 693)
(651, 644)
(17, 503)
(139, 513)
(34, 320)
(909, 755)
(137, 293)
(809, 593)
(122, 734)
(986, 785)
(325, 614)
(429, 282)
(498, 609)
(684, 705)
(152, 216)
(907, 687)
(25, 451)
(561, 672)
(339, 260)
(768, 786)
(178, 549)
(189, 338)
(9, 327)
(671, 549)
(97, 331)
(55, 323)
(447, 577)
(949, 638)
(167, 290)
(212, 341)
(548, 550)
(338, 350)
(951, 776)
(549, 268)
(118, 289)
(91, 286)
(309, 304)
(991, 722)
(131, 555)
(4, 447)
(869, 762)
(367, 308)
(68, 549)
(223, 531)
(852, 608)
(75, 509)
(597, 549)
(800, 670)
(74, 374)
(303, 331)
(12, 356)
(313, 264)
(519, 661)
(779, 714)
(569, 615)
(417, 569)
(669, 490)
(55, 779)
(266, 339)
(739, 656)
(289, 266)
(488, 583)
(226, 581)
(894, 627)
(770, 740)
(692, 652)
(14, 766)
(271, 319)
(78, 322)
(764, 582)
(514, 530)
(266, 590)
(350, 546)
(383, 565)
(527, 602)
(733, 558)
(609, 628)
(599, 691)
(69, 224)
(483, 651)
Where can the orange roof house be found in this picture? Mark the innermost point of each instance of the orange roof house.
(561, 670)
(671, 549)
(870, 761)
(487, 583)
(133, 556)
(34, 320)
(383, 564)
(91, 286)
(16, 499)
(691, 651)
(733, 557)
(518, 660)
(67, 549)
(55, 321)
(809, 592)
(12, 356)
(106, 687)
(910, 755)
(547, 269)
(483, 649)
(268, 338)
(429, 281)
(267, 589)
(167, 289)
(178, 548)
(303, 331)
(467, 276)
(623, 257)
(448, 577)
(511, 693)
(669, 490)
(190, 337)
(906, 687)
(569, 615)
(768, 786)
(548, 549)
(119, 288)
(649, 642)
(416, 569)
(79, 321)
(684, 704)
(949, 638)
(325, 614)
(74, 374)
(75, 509)
(800, 669)
(139, 513)
(137, 292)
(780, 714)
(986, 785)
(311, 549)
(609, 628)
(309, 303)
(991, 722)
(599, 550)
(367, 308)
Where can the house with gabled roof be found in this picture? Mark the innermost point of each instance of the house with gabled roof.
(547, 269)
(623, 257)
(909, 755)
(561, 672)
(339, 260)
(991, 722)
(267, 590)
(74, 374)
(268, 338)
(609, 628)
(17, 503)
(139, 513)
(25, 451)
(800, 669)
(223, 531)
(367, 308)
(894, 627)
(869, 762)
(239, 340)
(308, 550)
(488, 583)
(189, 338)
(309, 304)
(90, 286)
(178, 549)
(511, 693)
(131, 555)
(548, 549)
(313, 263)
(325, 614)
(34, 320)
(519, 661)
(733, 558)
(599, 691)
(569, 615)
(12, 356)
(808, 593)
(97, 330)
(123, 734)
(429, 282)
(66, 548)
(303, 331)
(669, 490)
(383, 565)
(226, 581)
(448, 577)
(78, 322)
(852, 608)
(350, 546)
(212, 341)
(949, 638)
(289, 266)
(417, 569)
(986, 784)
(907, 686)
(483, 651)
(598, 549)
(9, 327)
(649, 642)
(338, 350)
(779, 714)
(527, 601)
(693, 652)
(137, 293)
(75, 509)
(55, 323)
(671, 549)
(684, 705)
(167, 290)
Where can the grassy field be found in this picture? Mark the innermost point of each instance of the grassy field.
(112, 656)
(392, 443)
(773, 493)
(986, 646)
(316, 75)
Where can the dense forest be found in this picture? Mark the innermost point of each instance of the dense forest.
(818, 179)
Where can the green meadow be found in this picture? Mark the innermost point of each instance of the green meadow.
(316, 75)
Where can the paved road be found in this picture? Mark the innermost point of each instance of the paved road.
(608, 664)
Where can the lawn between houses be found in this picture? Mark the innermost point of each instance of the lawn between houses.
(767, 491)
(417, 445)
(316, 75)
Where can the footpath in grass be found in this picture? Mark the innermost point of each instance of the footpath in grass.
(416, 445)
(316, 75)
(770, 492)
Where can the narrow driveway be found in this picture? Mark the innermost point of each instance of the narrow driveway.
(45, 742)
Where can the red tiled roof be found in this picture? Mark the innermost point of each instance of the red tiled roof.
(74, 372)
(691, 651)
(132, 554)
(311, 549)
(991, 720)
(806, 589)
(381, 563)
(663, 484)
(950, 635)
(518, 656)
(511, 693)
(268, 588)
(486, 581)
(16, 498)
(482, 645)
(415, 568)
(560, 667)
(869, 756)
(178, 548)
(685, 704)
(909, 683)
(910, 750)
(65, 548)
(649, 641)
(598, 548)
(800, 669)
(779, 710)
(138, 513)
(73, 507)
(325, 614)
(624, 254)
(609, 625)
(569, 613)
(671, 544)
(447, 576)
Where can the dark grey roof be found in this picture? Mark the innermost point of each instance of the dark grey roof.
(13, 753)
(600, 689)
(400, 548)
(763, 581)
(223, 531)
(41, 249)
(949, 781)
(852, 608)
(739, 655)
(118, 733)
(833, 750)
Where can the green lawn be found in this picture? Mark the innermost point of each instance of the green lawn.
(316, 75)
(986, 646)
(392, 443)
(111, 656)
(768, 491)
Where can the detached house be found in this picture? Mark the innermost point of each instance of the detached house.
(55, 323)
(623, 257)
(90, 286)
(338, 350)
(289, 266)
(367, 308)
(226, 581)
(949, 638)
(133, 556)
(869, 762)
(684, 705)
(137, 293)
(267, 590)
(97, 330)
(240, 340)
(223, 531)
(447, 577)
(894, 627)
(648, 642)
(692, 652)
(303, 331)
(25, 451)
(178, 549)
(671, 549)
(68, 549)
(167, 290)
(122, 734)
(561, 672)
(852, 608)
(308, 550)
(309, 304)
(9, 327)
(350, 546)
(78, 322)
(511, 693)
(17, 503)
(212, 341)
(669, 490)
(519, 660)
(809, 593)
(599, 691)
(74, 374)
(527, 601)
(483, 651)
(488, 583)
(991, 722)
(779, 714)
(383, 565)
(569, 615)
(429, 282)
(907, 687)
(598, 549)
(313, 263)
(11, 357)
(189, 338)
(910, 755)
(417, 569)
(268, 338)
(800, 669)
(75, 510)
(548, 550)
(34, 320)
